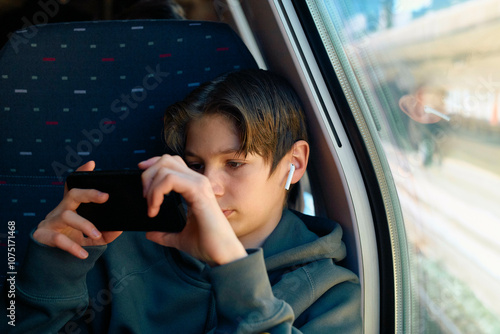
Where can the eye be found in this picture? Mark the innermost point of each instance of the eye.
(235, 164)
(196, 166)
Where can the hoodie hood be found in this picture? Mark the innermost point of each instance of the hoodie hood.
(300, 256)
(300, 239)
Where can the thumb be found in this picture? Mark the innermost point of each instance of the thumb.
(87, 167)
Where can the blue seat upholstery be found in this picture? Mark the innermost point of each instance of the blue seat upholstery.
(75, 92)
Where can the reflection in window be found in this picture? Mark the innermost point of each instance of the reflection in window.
(428, 75)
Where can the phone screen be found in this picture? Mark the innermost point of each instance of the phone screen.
(126, 208)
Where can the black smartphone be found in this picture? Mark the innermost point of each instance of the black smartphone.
(126, 208)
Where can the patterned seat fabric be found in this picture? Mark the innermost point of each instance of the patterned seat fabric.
(75, 92)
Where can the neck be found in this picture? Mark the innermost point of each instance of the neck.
(257, 238)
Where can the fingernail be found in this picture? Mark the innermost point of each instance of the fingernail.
(95, 233)
(101, 195)
(84, 254)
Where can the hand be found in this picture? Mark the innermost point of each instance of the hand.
(65, 229)
(207, 235)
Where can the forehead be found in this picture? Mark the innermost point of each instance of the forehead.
(212, 133)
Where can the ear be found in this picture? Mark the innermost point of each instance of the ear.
(299, 157)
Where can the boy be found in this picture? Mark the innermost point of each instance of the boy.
(243, 263)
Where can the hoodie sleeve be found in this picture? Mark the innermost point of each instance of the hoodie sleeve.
(246, 304)
(51, 288)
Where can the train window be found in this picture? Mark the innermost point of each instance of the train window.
(336, 182)
(421, 79)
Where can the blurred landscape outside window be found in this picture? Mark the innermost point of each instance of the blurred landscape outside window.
(428, 73)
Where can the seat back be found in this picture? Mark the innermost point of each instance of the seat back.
(75, 92)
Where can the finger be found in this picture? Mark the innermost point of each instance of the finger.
(110, 236)
(61, 241)
(74, 220)
(73, 198)
(167, 174)
(161, 185)
(87, 167)
(147, 176)
(107, 237)
(77, 196)
(154, 165)
(148, 163)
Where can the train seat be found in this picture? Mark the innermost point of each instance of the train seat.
(80, 91)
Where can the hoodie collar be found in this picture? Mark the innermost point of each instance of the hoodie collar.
(297, 241)
(290, 232)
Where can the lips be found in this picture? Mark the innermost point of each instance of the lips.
(227, 212)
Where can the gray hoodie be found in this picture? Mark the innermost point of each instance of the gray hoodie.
(290, 285)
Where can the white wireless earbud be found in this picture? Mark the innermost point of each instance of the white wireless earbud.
(290, 175)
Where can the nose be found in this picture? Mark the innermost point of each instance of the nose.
(216, 180)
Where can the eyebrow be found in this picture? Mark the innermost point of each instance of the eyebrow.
(223, 152)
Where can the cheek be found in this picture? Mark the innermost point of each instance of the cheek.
(243, 191)
(247, 192)
(260, 193)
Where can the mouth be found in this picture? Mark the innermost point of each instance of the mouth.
(227, 213)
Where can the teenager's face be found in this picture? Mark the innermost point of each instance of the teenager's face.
(251, 199)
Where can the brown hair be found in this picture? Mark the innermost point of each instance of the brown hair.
(264, 107)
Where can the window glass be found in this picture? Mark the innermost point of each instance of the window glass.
(426, 73)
